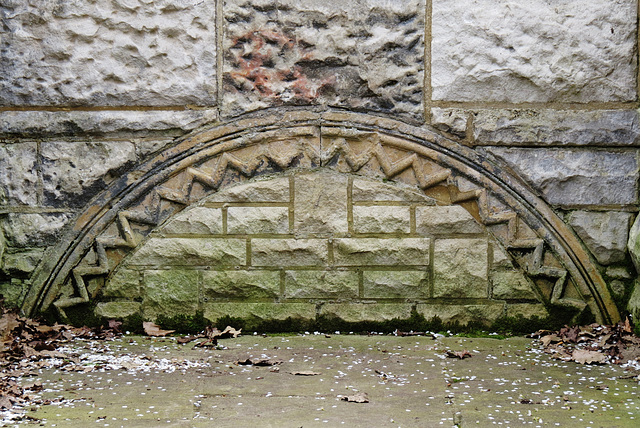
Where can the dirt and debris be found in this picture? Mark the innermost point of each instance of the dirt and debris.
(459, 354)
(594, 344)
(360, 397)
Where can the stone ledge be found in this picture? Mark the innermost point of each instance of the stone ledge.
(105, 122)
(260, 311)
(355, 312)
(463, 314)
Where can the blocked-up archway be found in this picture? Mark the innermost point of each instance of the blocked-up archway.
(339, 214)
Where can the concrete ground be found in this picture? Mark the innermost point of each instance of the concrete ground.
(139, 381)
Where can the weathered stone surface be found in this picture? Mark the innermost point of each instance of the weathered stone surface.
(354, 312)
(557, 127)
(460, 268)
(381, 219)
(618, 288)
(253, 220)
(633, 244)
(444, 220)
(23, 262)
(395, 284)
(124, 52)
(117, 310)
(527, 310)
(451, 120)
(289, 252)
(619, 272)
(374, 251)
(367, 54)
(604, 233)
(18, 174)
(13, 291)
(320, 204)
(327, 284)
(74, 172)
(260, 311)
(241, 284)
(191, 252)
(633, 306)
(170, 292)
(511, 284)
(374, 191)
(273, 190)
(33, 230)
(198, 220)
(500, 257)
(535, 51)
(463, 314)
(73, 123)
(124, 283)
(574, 176)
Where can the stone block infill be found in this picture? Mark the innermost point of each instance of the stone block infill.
(460, 268)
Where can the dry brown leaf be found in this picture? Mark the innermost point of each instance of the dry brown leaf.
(459, 354)
(154, 330)
(588, 357)
(360, 397)
(305, 373)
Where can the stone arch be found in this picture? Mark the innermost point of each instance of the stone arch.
(123, 217)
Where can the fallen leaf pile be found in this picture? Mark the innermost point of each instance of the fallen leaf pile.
(592, 344)
(26, 345)
(459, 354)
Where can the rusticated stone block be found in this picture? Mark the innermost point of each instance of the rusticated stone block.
(445, 220)
(557, 127)
(527, 310)
(132, 52)
(18, 174)
(275, 190)
(604, 233)
(463, 314)
(395, 284)
(365, 55)
(191, 252)
(170, 292)
(534, 51)
(198, 220)
(387, 252)
(260, 311)
(321, 284)
(117, 310)
(511, 284)
(460, 268)
(33, 230)
(381, 219)
(354, 312)
(450, 120)
(73, 172)
(364, 190)
(22, 262)
(289, 252)
(320, 204)
(240, 284)
(570, 177)
(254, 220)
(124, 283)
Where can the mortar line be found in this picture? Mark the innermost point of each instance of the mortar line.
(360, 284)
(427, 89)
(224, 220)
(412, 219)
(489, 269)
(282, 285)
(248, 256)
(219, 53)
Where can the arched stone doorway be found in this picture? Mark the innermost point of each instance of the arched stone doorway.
(284, 200)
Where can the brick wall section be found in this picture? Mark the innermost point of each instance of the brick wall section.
(322, 243)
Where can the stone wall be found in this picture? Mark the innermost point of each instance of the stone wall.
(92, 91)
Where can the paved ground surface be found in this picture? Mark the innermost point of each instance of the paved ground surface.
(138, 381)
